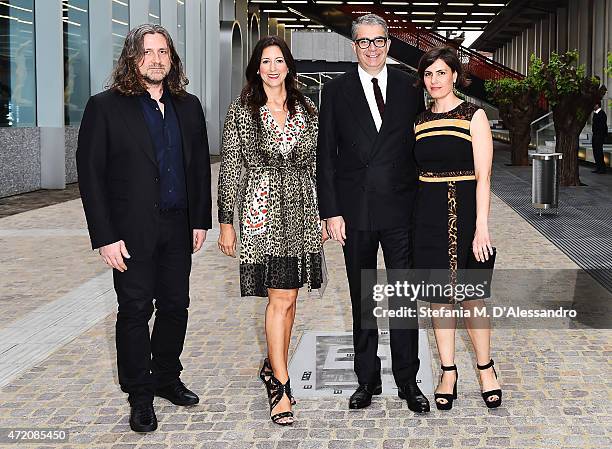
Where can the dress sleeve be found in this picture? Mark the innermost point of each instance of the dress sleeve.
(231, 167)
(315, 132)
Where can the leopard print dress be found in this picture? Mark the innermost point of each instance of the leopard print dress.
(280, 233)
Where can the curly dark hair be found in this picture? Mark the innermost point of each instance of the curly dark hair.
(449, 56)
(126, 77)
(253, 95)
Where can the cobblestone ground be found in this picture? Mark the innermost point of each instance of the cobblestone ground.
(557, 386)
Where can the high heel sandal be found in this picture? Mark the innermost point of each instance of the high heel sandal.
(276, 390)
(487, 395)
(447, 396)
(266, 371)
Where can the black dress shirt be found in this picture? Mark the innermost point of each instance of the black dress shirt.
(165, 134)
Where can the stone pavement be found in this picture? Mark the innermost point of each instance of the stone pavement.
(556, 383)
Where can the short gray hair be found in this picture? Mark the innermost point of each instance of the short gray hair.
(368, 19)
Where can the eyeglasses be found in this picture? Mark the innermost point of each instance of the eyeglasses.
(364, 42)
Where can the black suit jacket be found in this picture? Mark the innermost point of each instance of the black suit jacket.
(367, 177)
(119, 176)
(600, 124)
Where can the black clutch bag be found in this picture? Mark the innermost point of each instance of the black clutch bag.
(474, 264)
(480, 274)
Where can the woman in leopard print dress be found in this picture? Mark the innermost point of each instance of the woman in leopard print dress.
(271, 131)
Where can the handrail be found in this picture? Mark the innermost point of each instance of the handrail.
(475, 63)
(541, 118)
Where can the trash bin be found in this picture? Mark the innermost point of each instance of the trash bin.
(545, 181)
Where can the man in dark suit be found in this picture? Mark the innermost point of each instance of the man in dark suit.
(366, 182)
(600, 131)
(144, 176)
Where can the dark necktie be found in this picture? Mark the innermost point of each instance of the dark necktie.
(379, 98)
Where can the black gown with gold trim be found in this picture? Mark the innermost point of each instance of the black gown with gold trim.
(446, 202)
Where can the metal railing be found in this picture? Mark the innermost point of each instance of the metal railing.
(423, 39)
(541, 129)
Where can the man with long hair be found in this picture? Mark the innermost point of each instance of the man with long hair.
(144, 176)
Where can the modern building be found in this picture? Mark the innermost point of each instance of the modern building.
(58, 375)
(55, 54)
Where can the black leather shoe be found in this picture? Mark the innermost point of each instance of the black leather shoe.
(178, 394)
(142, 418)
(417, 402)
(362, 397)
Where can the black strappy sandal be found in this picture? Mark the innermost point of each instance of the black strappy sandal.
(448, 397)
(276, 390)
(487, 395)
(266, 371)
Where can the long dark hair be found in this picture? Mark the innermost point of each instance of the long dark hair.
(126, 77)
(253, 95)
(449, 56)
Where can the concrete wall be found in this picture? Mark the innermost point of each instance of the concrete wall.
(19, 160)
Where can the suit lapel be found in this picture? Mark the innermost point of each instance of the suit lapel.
(134, 119)
(181, 115)
(359, 105)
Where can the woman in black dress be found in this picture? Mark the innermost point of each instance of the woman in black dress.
(454, 152)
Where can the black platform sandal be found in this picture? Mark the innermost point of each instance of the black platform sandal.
(266, 371)
(487, 395)
(448, 397)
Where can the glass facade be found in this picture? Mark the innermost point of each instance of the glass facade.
(154, 12)
(17, 54)
(180, 21)
(121, 26)
(76, 59)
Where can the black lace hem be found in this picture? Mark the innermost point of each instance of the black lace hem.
(281, 273)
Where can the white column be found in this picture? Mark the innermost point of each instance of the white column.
(50, 93)
(193, 46)
(562, 30)
(139, 12)
(100, 44)
(583, 38)
(598, 29)
(544, 40)
(211, 74)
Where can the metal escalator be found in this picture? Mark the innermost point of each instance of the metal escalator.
(408, 42)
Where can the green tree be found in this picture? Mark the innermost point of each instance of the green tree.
(517, 102)
(571, 94)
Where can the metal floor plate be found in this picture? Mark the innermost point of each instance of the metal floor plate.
(322, 365)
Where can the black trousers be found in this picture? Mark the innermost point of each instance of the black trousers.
(598, 155)
(360, 253)
(146, 361)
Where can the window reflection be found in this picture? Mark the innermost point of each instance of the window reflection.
(121, 26)
(17, 78)
(180, 16)
(154, 12)
(76, 59)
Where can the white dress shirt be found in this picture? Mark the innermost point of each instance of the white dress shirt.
(368, 88)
